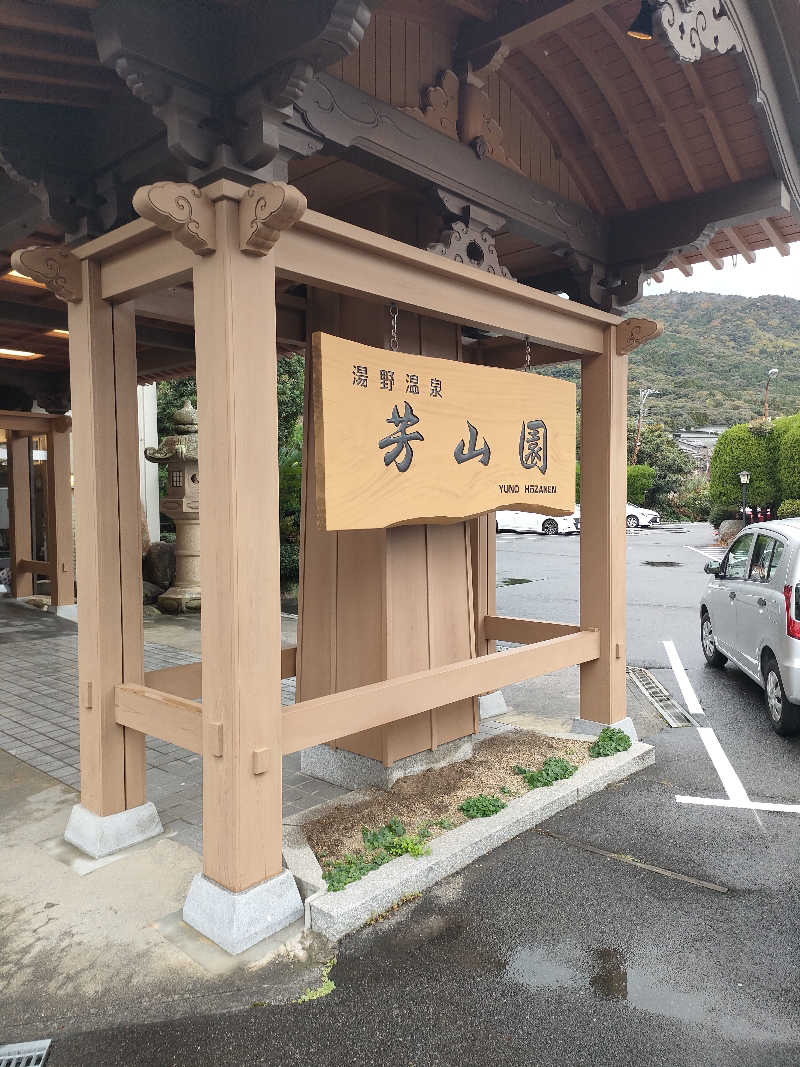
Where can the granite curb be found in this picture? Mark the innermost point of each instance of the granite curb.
(337, 914)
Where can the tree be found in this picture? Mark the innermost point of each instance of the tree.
(640, 481)
(291, 375)
(738, 449)
(658, 450)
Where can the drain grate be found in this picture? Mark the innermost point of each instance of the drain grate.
(657, 695)
(26, 1054)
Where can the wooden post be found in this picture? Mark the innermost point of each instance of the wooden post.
(59, 514)
(19, 506)
(112, 774)
(235, 344)
(604, 409)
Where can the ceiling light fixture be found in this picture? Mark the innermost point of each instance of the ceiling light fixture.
(641, 29)
(57, 333)
(18, 353)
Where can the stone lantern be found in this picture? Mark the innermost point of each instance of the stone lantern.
(182, 504)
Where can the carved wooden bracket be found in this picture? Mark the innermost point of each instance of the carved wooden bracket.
(460, 108)
(470, 244)
(440, 105)
(692, 27)
(57, 268)
(264, 211)
(182, 208)
(634, 332)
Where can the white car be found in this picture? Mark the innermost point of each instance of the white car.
(640, 517)
(532, 522)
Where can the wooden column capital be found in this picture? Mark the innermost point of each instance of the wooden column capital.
(52, 266)
(265, 210)
(183, 209)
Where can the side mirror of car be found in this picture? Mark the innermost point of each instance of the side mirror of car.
(712, 567)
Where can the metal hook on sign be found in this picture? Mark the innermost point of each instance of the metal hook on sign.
(393, 343)
(527, 353)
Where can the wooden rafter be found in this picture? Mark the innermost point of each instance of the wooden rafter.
(706, 109)
(710, 255)
(561, 146)
(47, 46)
(746, 253)
(775, 238)
(19, 69)
(628, 126)
(683, 265)
(635, 57)
(39, 92)
(18, 15)
(606, 155)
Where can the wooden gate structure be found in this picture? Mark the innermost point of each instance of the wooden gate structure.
(465, 160)
(20, 427)
(232, 242)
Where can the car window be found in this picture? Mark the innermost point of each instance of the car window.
(774, 564)
(761, 558)
(736, 562)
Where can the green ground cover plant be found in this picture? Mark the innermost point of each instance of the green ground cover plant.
(481, 806)
(610, 741)
(554, 769)
(380, 846)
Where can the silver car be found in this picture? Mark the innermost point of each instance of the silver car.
(750, 615)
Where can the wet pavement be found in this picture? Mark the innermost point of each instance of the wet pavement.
(591, 940)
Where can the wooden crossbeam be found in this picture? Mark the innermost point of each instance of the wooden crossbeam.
(178, 719)
(313, 722)
(35, 566)
(186, 680)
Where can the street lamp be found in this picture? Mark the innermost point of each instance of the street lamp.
(744, 478)
(770, 375)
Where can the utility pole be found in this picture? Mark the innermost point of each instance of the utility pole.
(644, 396)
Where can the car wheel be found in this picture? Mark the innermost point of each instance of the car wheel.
(784, 717)
(549, 526)
(714, 658)
(631, 522)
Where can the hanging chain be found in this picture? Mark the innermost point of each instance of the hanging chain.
(393, 343)
(527, 353)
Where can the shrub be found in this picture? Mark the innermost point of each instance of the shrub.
(740, 449)
(789, 509)
(718, 515)
(610, 741)
(789, 463)
(290, 564)
(554, 769)
(692, 501)
(641, 479)
(481, 806)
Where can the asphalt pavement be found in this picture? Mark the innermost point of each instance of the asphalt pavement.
(629, 929)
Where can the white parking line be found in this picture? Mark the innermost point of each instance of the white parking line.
(751, 805)
(692, 703)
(700, 552)
(731, 782)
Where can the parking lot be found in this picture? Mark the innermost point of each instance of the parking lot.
(632, 928)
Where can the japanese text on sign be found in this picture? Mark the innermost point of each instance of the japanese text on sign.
(404, 438)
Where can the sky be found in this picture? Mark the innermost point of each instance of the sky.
(771, 274)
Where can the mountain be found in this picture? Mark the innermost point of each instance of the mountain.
(711, 362)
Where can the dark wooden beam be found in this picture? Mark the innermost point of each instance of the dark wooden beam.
(382, 137)
(694, 220)
(518, 25)
(21, 15)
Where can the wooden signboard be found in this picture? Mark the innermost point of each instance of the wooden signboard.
(402, 438)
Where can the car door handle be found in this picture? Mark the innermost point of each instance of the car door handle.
(762, 602)
(732, 595)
